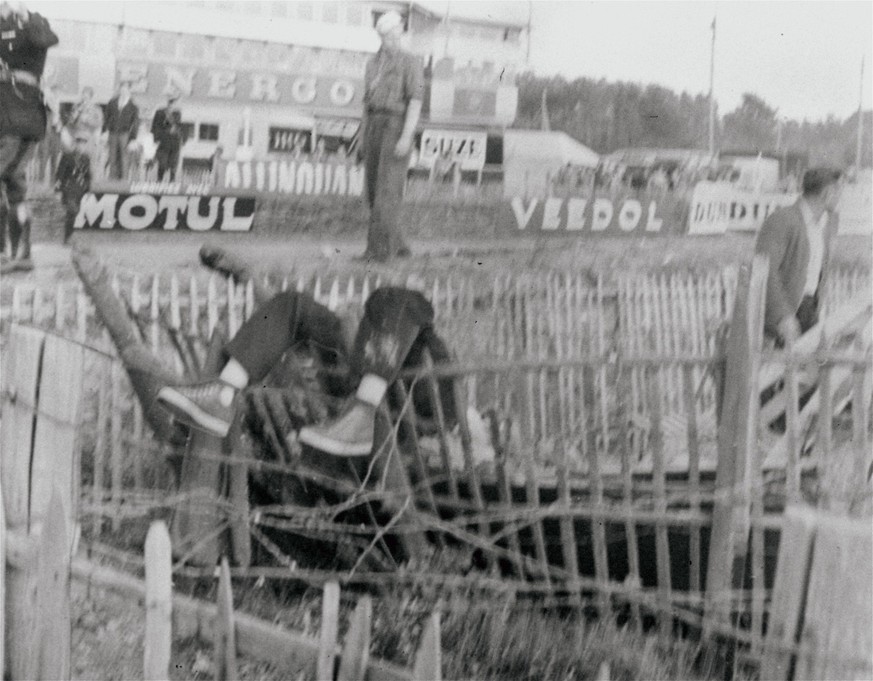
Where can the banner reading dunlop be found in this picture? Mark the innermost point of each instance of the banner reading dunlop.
(640, 214)
(167, 212)
(717, 207)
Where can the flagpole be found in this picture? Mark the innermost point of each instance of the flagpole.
(860, 122)
(711, 97)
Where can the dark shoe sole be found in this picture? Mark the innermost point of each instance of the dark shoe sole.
(311, 437)
(191, 414)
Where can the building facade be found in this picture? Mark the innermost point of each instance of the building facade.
(269, 79)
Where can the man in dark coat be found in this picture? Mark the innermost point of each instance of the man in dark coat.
(121, 124)
(393, 92)
(797, 240)
(167, 131)
(25, 38)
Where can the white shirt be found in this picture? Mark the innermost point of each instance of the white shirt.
(815, 233)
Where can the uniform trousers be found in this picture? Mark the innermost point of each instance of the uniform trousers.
(386, 177)
(15, 153)
(395, 331)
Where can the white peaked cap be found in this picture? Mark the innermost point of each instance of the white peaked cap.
(388, 22)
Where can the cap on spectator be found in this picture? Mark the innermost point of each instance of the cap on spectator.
(388, 22)
(815, 180)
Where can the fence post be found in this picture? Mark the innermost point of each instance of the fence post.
(329, 627)
(158, 603)
(737, 437)
(356, 651)
(428, 659)
(225, 634)
(49, 643)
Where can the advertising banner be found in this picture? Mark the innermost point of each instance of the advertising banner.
(638, 214)
(135, 212)
(717, 207)
(302, 177)
(243, 85)
(465, 147)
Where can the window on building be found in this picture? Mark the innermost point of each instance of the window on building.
(187, 130)
(304, 11)
(193, 47)
(289, 140)
(208, 132)
(354, 14)
(511, 35)
(329, 12)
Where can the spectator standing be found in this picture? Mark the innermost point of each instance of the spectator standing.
(393, 93)
(87, 118)
(74, 179)
(120, 124)
(167, 131)
(25, 38)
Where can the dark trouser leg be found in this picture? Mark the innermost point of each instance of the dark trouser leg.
(393, 319)
(115, 156)
(384, 239)
(71, 206)
(281, 323)
(15, 153)
(173, 161)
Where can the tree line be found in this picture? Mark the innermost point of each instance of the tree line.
(607, 116)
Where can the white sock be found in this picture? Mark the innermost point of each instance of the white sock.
(226, 395)
(234, 374)
(371, 389)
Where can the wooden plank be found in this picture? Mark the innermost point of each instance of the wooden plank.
(99, 453)
(49, 645)
(633, 551)
(789, 589)
(55, 461)
(793, 436)
(240, 447)
(569, 547)
(224, 648)
(356, 651)
(116, 447)
(693, 473)
(532, 497)
(158, 603)
(428, 658)
(659, 480)
(835, 636)
(737, 433)
(328, 636)
(155, 316)
(20, 375)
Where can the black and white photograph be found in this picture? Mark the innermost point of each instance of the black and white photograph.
(499, 340)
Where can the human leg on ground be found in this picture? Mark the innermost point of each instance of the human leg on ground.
(286, 320)
(15, 153)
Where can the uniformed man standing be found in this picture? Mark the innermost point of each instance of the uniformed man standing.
(393, 92)
(25, 38)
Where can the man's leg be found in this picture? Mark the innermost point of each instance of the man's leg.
(393, 319)
(286, 320)
(377, 246)
(389, 192)
(15, 153)
(114, 171)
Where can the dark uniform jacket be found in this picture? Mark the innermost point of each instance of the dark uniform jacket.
(167, 127)
(24, 43)
(783, 239)
(73, 177)
(392, 80)
(123, 121)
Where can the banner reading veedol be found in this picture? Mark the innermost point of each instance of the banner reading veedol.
(637, 215)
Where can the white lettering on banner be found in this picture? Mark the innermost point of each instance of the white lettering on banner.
(653, 224)
(91, 209)
(552, 214)
(629, 217)
(179, 80)
(174, 205)
(522, 216)
(222, 84)
(603, 211)
(342, 92)
(292, 177)
(265, 87)
(198, 222)
(303, 90)
(717, 207)
(142, 211)
(576, 214)
(467, 148)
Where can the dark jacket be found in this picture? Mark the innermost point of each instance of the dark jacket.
(73, 177)
(121, 122)
(24, 43)
(167, 126)
(783, 239)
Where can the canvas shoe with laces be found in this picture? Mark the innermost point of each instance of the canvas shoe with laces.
(207, 406)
